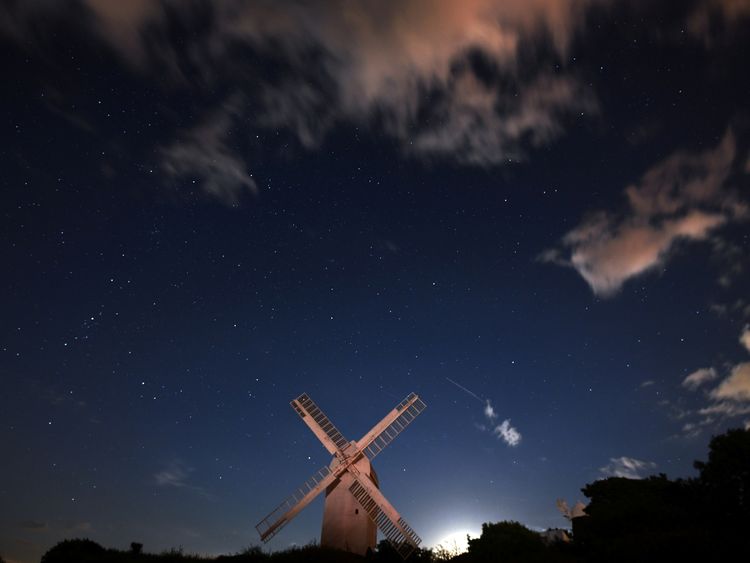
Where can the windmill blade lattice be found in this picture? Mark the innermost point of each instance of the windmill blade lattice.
(403, 415)
(299, 499)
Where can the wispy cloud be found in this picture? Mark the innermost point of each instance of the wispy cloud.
(489, 411)
(503, 431)
(728, 409)
(176, 474)
(729, 399)
(203, 153)
(32, 525)
(507, 433)
(628, 467)
(736, 387)
(77, 527)
(699, 377)
(683, 198)
(409, 68)
(745, 337)
(705, 14)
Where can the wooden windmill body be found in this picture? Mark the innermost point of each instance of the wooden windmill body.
(354, 506)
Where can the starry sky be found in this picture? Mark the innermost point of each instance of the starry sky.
(532, 213)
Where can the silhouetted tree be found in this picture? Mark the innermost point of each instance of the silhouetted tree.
(725, 477)
(653, 519)
(136, 548)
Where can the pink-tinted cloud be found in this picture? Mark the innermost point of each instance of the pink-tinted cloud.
(683, 198)
(699, 377)
(708, 14)
(736, 387)
(384, 56)
(123, 23)
(386, 62)
(729, 399)
(745, 337)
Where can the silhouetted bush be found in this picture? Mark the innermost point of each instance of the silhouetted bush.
(506, 541)
(725, 477)
(386, 553)
(136, 548)
(76, 550)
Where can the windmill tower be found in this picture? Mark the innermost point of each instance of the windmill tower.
(354, 505)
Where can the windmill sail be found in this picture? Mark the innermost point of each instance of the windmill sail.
(391, 426)
(299, 499)
(388, 520)
(319, 423)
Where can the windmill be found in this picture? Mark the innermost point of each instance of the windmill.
(354, 505)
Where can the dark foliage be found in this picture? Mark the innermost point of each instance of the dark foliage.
(506, 541)
(656, 519)
(509, 542)
(652, 519)
(386, 553)
(725, 477)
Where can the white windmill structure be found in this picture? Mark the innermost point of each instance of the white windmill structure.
(354, 505)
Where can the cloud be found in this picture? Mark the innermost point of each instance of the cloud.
(175, 475)
(204, 152)
(745, 337)
(736, 387)
(699, 377)
(476, 125)
(123, 23)
(466, 80)
(489, 411)
(702, 21)
(409, 65)
(77, 527)
(729, 399)
(627, 467)
(728, 409)
(507, 433)
(32, 525)
(683, 198)
(504, 431)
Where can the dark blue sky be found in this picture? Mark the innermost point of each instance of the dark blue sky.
(208, 209)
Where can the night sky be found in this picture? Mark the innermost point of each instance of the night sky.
(532, 213)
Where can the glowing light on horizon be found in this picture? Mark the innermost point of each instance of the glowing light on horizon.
(456, 542)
